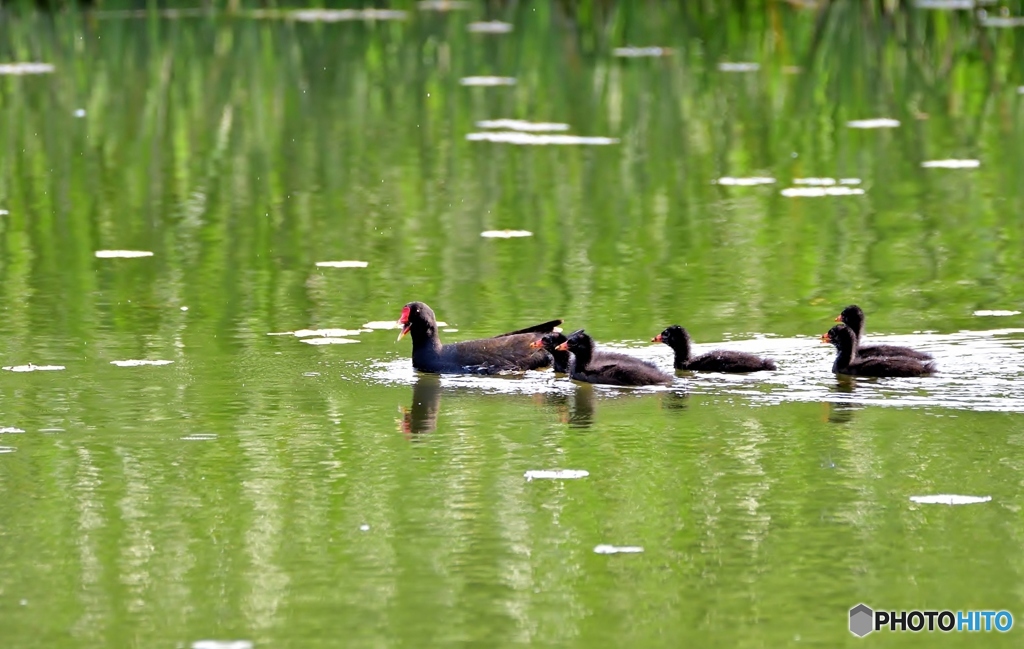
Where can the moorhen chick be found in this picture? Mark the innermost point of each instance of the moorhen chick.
(508, 352)
(719, 360)
(849, 362)
(549, 343)
(607, 367)
(853, 317)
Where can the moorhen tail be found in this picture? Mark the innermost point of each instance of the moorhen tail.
(509, 352)
(550, 342)
(609, 368)
(719, 360)
(853, 317)
(849, 362)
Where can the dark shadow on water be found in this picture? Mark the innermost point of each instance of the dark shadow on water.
(841, 412)
(675, 400)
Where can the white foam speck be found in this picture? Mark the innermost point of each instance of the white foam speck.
(25, 68)
(522, 125)
(450, 331)
(639, 52)
(739, 67)
(994, 312)
(326, 333)
(946, 5)
(4, 212)
(559, 474)
(7, 449)
(328, 341)
(950, 499)
(490, 27)
(364, 528)
(139, 363)
(951, 164)
(382, 324)
(184, 308)
(34, 368)
(879, 122)
(122, 254)
(617, 549)
(342, 264)
(222, 644)
(199, 437)
(512, 137)
(80, 112)
(826, 182)
(10, 429)
(442, 5)
(505, 234)
(488, 81)
(745, 182)
(821, 191)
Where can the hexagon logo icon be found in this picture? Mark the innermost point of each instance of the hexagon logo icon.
(862, 620)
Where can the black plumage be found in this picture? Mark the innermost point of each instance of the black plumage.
(853, 317)
(609, 368)
(848, 361)
(509, 352)
(719, 360)
(550, 342)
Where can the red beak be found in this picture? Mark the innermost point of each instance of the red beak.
(656, 339)
(839, 318)
(404, 321)
(564, 347)
(537, 344)
(825, 338)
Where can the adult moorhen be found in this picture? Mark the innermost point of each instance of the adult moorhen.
(719, 360)
(609, 368)
(549, 343)
(853, 317)
(849, 362)
(508, 352)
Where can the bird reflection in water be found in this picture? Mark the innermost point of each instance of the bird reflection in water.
(841, 412)
(576, 408)
(421, 417)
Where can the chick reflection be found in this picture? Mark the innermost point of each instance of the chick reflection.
(421, 417)
(841, 412)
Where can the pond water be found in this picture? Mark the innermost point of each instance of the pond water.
(175, 190)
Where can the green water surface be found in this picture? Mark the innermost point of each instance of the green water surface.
(264, 490)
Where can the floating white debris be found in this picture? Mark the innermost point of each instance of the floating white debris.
(139, 363)
(382, 324)
(122, 254)
(450, 331)
(4, 212)
(639, 52)
(199, 437)
(311, 374)
(490, 27)
(184, 308)
(946, 5)
(51, 430)
(1020, 90)
(522, 125)
(10, 429)
(326, 333)
(879, 122)
(7, 449)
(745, 182)
(951, 164)
(328, 341)
(821, 191)
(506, 234)
(824, 182)
(995, 312)
(364, 528)
(442, 5)
(25, 68)
(738, 67)
(488, 81)
(617, 549)
(559, 474)
(79, 112)
(950, 499)
(340, 15)
(343, 264)
(34, 368)
(511, 137)
(222, 644)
